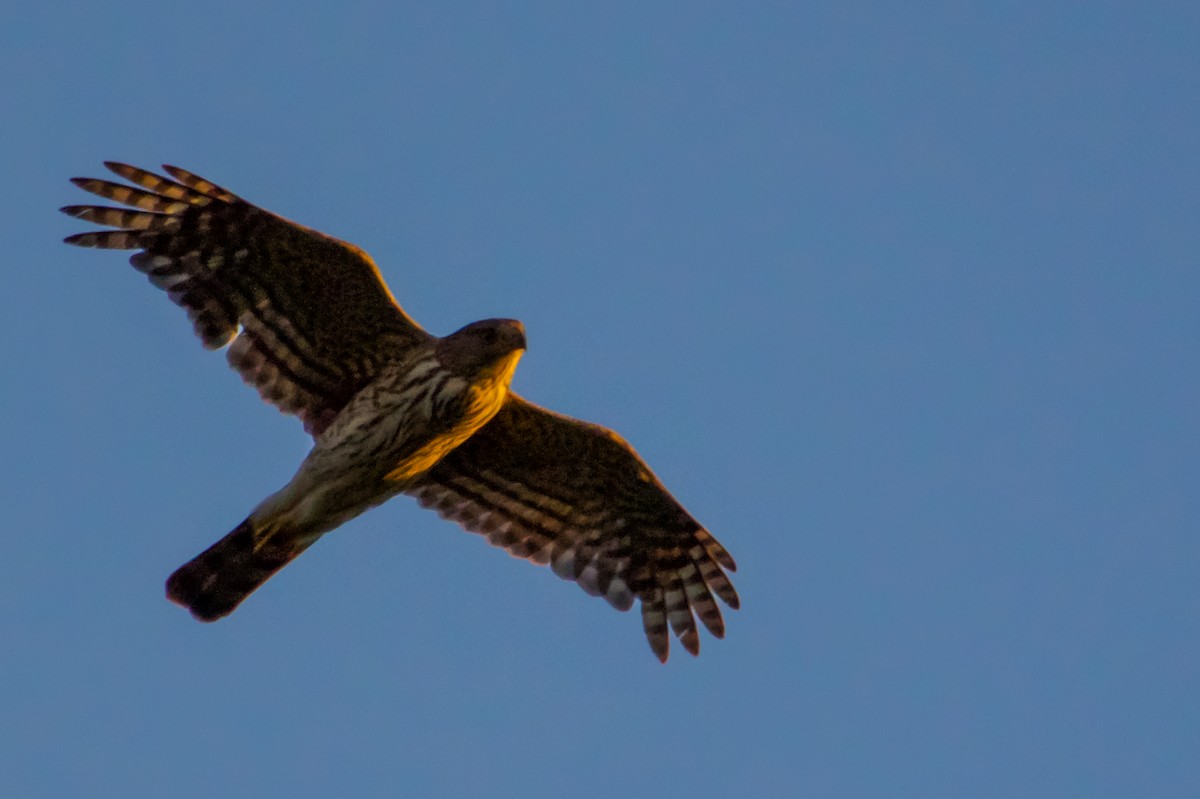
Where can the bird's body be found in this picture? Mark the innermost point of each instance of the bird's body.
(393, 409)
(389, 435)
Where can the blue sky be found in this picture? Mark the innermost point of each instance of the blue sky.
(900, 301)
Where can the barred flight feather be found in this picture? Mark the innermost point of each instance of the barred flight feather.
(629, 541)
(248, 276)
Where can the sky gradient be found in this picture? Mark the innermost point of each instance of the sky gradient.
(900, 301)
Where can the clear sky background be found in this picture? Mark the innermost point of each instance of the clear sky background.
(900, 301)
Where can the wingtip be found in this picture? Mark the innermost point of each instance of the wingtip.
(74, 210)
(660, 644)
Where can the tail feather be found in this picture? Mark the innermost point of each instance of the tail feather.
(216, 581)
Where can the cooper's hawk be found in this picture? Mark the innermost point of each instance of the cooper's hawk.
(393, 409)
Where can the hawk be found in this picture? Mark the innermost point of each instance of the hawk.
(308, 321)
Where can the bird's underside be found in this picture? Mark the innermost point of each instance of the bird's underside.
(309, 323)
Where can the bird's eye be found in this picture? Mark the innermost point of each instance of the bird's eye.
(489, 335)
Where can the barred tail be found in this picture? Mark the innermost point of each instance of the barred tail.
(216, 581)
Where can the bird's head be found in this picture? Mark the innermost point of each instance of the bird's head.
(484, 350)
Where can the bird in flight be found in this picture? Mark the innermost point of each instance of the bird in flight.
(308, 321)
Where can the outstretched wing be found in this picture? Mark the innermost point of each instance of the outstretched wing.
(309, 316)
(556, 490)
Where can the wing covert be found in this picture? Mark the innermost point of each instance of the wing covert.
(559, 491)
(309, 316)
